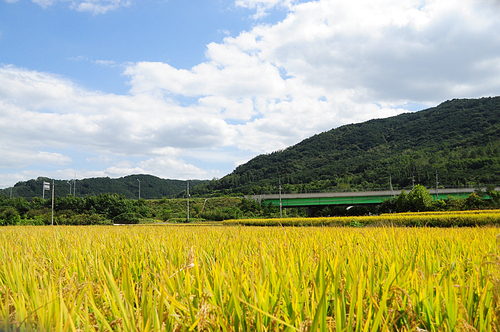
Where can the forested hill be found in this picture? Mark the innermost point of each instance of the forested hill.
(459, 139)
(151, 187)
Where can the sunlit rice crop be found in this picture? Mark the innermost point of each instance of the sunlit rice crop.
(156, 278)
(433, 219)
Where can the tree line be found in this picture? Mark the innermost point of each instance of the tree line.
(108, 209)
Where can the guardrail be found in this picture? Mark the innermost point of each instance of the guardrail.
(354, 197)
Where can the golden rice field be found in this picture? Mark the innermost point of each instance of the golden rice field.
(200, 278)
(410, 219)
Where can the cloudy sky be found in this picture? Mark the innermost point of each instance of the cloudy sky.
(189, 89)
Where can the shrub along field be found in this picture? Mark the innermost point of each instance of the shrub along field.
(409, 219)
(199, 278)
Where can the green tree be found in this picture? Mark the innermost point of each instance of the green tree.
(494, 195)
(8, 215)
(420, 199)
(473, 201)
(402, 202)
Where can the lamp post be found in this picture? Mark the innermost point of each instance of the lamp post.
(390, 183)
(281, 206)
(437, 185)
(139, 188)
(52, 216)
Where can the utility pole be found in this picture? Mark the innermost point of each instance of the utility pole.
(139, 188)
(281, 206)
(437, 183)
(187, 201)
(390, 183)
(413, 182)
(74, 186)
(52, 218)
(69, 187)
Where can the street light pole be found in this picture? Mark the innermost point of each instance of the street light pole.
(390, 183)
(52, 218)
(281, 206)
(139, 188)
(437, 185)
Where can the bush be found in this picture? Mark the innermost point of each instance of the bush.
(213, 215)
(420, 199)
(473, 201)
(402, 202)
(127, 218)
(8, 216)
(166, 214)
(83, 219)
(36, 221)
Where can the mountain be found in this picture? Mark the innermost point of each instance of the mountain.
(151, 187)
(459, 141)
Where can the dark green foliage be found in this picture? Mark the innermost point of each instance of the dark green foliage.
(402, 202)
(494, 196)
(80, 219)
(473, 201)
(8, 216)
(419, 199)
(127, 218)
(242, 208)
(460, 139)
(106, 209)
(90, 210)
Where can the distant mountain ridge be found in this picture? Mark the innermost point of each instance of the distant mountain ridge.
(459, 141)
(151, 187)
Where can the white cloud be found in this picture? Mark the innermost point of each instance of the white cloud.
(262, 6)
(333, 62)
(44, 3)
(173, 166)
(14, 156)
(93, 6)
(104, 63)
(99, 6)
(40, 112)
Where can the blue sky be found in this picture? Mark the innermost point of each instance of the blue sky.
(191, 89)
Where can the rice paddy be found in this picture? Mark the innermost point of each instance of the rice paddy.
(409, 219)
(236, 278)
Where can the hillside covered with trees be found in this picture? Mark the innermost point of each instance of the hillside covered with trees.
(459, 140)
(128, 186)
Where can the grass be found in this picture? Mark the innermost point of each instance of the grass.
(201, 278)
